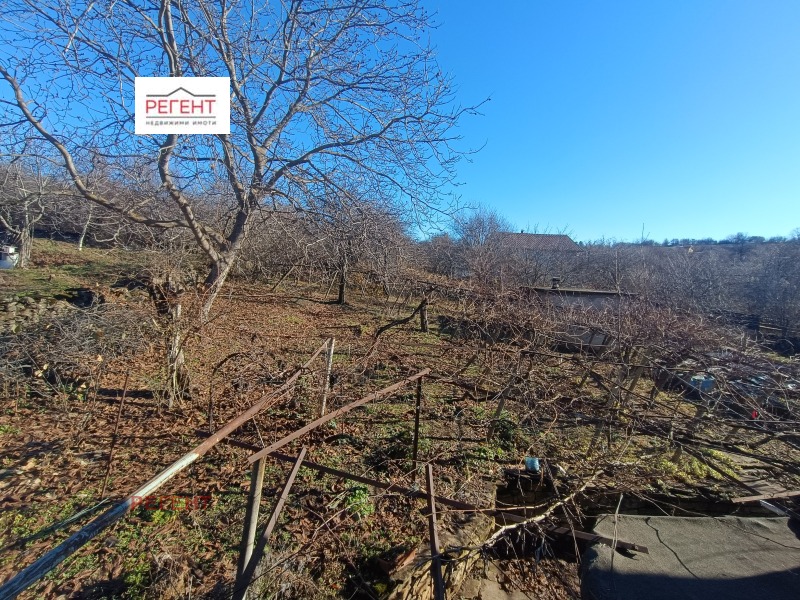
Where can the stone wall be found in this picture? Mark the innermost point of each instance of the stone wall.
(16, 311)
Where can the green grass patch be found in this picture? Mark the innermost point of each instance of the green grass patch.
(58, 266)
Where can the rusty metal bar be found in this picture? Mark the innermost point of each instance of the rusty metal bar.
(244, 580)
(273, 520)
(338, 412)
(383, 485)
(417, 409)
(251, 516)
(433, 536)
(456, 504)
(48, 562)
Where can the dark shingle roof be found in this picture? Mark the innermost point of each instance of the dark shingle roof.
(539, 242)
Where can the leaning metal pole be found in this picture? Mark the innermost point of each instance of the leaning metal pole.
(33, 573)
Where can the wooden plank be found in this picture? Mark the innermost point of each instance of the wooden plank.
(41, 567)
(337, 413)
(772, 496)
(594, 538)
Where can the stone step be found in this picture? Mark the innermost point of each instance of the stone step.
(487, 587)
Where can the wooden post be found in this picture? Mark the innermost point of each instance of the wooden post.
(251, 516)
(433, 534)
(244, 579)
(326, 386)
(423, 315)
(501, 397)
(176, 368)
(416, 428)
(637, 374)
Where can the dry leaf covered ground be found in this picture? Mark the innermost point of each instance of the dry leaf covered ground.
(335, 538)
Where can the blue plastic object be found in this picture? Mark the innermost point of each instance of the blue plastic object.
(703, 383)
(531, 464)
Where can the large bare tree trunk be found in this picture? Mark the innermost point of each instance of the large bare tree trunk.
(24, 241)
(177, 374)
(85, 228)
(165, 294)
(342, 285)
(214, 282)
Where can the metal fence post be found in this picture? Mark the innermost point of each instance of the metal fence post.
(251, 516)
(436, 558)
(327, 383)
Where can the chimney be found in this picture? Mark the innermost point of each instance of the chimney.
(556, 281)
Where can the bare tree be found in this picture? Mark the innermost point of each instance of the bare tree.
(322, 93)
(442, 255)
(23, 195)
(362, 235)
(70, 216)
(279, 246)
(484, 255)
(773, 284)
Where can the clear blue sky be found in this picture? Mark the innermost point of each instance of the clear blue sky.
(679, 115)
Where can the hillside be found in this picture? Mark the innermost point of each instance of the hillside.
(611, 427)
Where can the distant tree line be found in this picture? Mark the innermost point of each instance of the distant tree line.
(750, 275)
(737, 238)
(369, 242)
